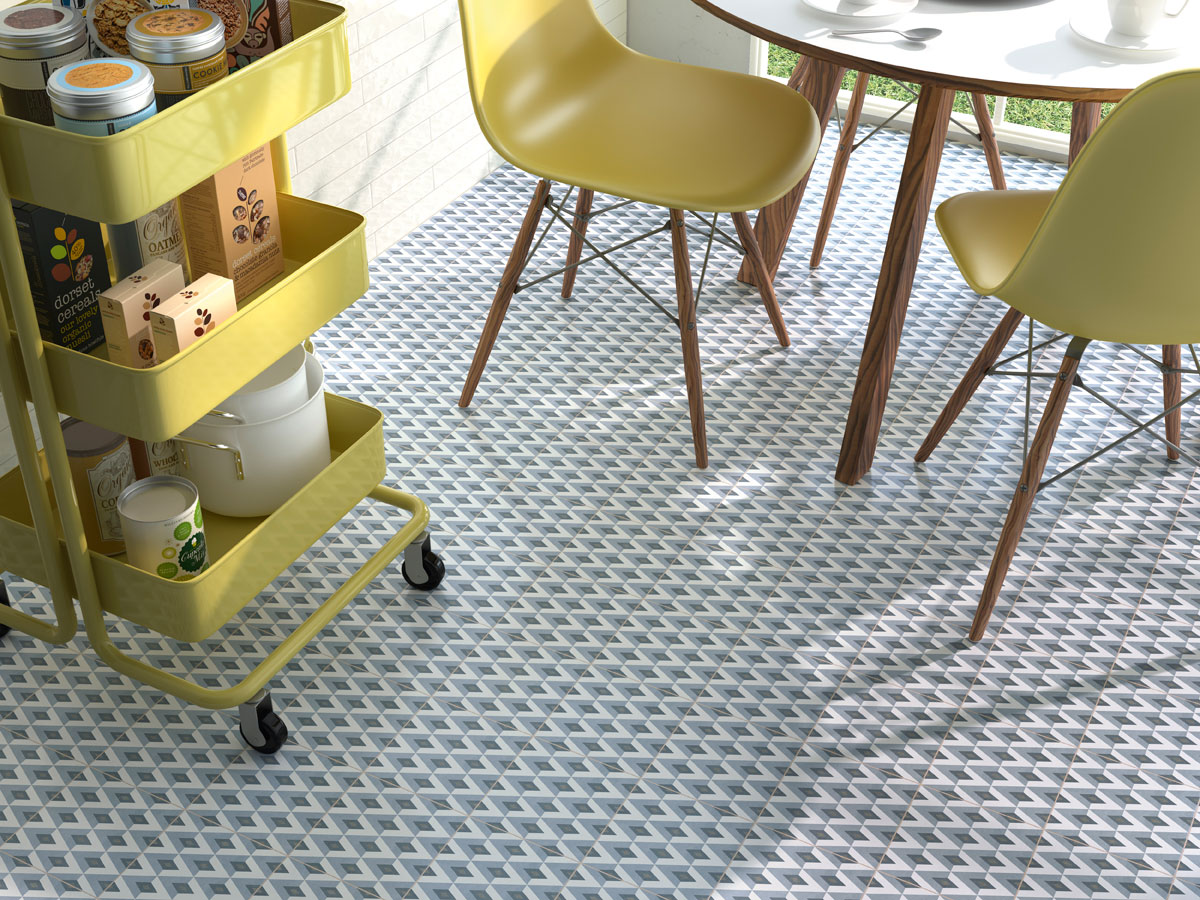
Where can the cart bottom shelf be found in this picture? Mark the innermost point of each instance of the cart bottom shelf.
(246, 554)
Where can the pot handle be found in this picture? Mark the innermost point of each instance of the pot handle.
(237, 454)
(221, 414)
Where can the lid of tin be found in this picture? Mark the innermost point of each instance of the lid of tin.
(175, 35)
(40, 30)
(159, 498)
(96, 89)
(86, 439)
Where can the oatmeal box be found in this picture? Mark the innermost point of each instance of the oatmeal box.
(231, 223)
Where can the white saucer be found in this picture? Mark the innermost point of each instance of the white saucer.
(861, 12)
(1091, 22)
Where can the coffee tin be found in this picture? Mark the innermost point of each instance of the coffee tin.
(164, 529)
(183, 48)
(101, 96)
(101, 468)
(34, 41)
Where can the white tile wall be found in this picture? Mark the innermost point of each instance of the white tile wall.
(403, 143)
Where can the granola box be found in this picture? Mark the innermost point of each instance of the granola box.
(231, 223)
(186, 317)
(65, 262)
(125, 312)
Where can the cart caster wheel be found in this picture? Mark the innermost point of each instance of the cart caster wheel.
(4, 629)
(260, 728)
(421, 561)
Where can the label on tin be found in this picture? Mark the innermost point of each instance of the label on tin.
(23, 84)
(101, 127)
(160, 236)
(164, 458)
(186, 554)
(187, 78)
(111, 475)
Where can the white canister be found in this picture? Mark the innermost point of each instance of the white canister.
(163, 526)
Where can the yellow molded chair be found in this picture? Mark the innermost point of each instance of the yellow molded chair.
(558, 96)
(1110, 256)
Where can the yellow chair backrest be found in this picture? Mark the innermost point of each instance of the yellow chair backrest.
(530, 58)
(1117, 255)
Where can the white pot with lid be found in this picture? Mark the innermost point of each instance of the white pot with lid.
(251, 468)
(280, 389)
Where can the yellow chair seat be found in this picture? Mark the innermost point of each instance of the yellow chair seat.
(664, 133)
(558, 96)
(989, 231)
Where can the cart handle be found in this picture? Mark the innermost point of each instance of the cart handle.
(258, 677)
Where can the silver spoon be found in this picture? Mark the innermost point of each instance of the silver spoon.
(918, 35)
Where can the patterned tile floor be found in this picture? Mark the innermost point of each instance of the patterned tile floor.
(641, 680)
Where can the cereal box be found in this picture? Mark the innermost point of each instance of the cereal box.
(125, 312)
(183, 319)
(231, 223)
(64, 259)
(268, 27)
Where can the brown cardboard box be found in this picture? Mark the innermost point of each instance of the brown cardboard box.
(231, 224)
(125, 312)
(183, 319)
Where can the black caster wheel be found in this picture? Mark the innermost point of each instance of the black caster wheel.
(431, 571)
(4, 629)
(260, 728)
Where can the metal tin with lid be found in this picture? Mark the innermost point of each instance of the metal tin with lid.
(175, 35)
(34, 41)
(101, 96)
(184, 49)
(101, 468)
(164, 527)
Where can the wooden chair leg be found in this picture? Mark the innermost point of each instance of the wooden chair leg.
(970, 382)
(504, 293)
(1022, 502)
(583, 206)
(745, 231)
(987, 135)
(1172, 356)
(688, 335)
(838, 174)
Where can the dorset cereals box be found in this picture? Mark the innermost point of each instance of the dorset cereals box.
(67, 269)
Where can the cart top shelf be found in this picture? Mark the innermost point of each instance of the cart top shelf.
(122, 176)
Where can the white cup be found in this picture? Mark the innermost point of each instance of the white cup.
(1140, 18)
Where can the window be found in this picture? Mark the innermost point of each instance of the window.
(1045, 115)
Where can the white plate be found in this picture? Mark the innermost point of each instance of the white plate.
(864, 12)
(1091, 22)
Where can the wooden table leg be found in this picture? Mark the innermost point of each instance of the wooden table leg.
(820, 84)
(909, 217)
(1085, 118)
(841, 160)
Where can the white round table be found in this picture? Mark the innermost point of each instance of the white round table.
(1014, 48)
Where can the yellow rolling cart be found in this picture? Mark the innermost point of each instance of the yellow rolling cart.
(116, 179)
